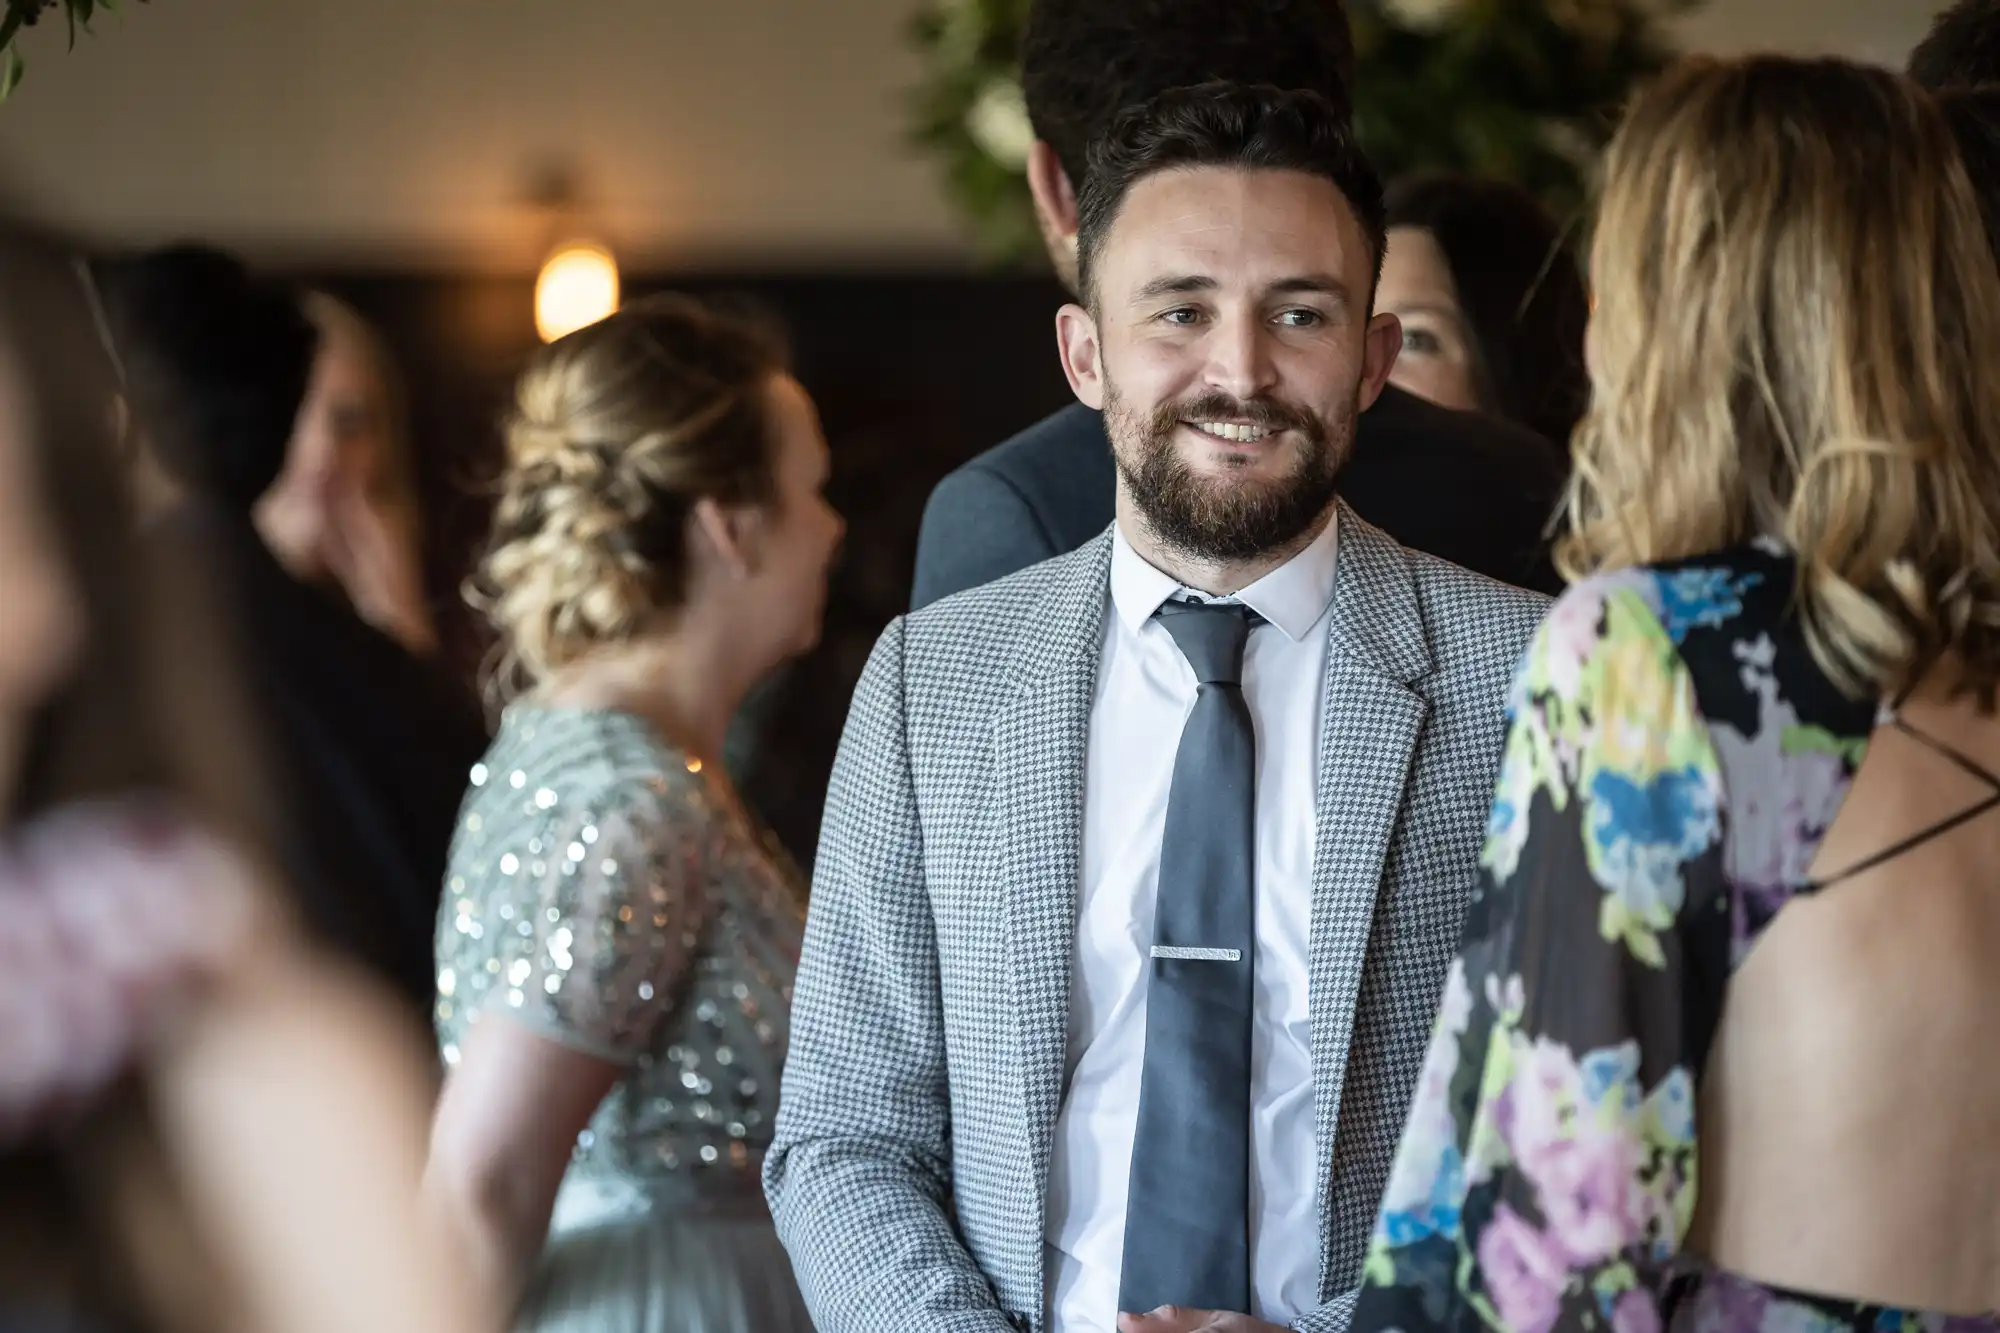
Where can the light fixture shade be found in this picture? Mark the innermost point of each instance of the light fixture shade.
(578, 286)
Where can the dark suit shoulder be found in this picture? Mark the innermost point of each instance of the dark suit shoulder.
(1401, 419)
(977, 527)
(1045, 444)
(1061, 468)
(1047, 490)
(1474, 490)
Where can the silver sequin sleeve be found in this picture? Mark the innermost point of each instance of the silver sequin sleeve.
(606, 891)
(589, 920)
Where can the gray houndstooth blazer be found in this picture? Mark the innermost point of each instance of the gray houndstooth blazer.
(910, 1167)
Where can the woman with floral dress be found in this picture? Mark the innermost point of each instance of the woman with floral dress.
(1718, 1051)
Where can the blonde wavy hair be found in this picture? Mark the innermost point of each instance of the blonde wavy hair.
(1796, 336)
(617, 430)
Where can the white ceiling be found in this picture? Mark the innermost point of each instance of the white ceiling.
(408, 131)
(1877, 30)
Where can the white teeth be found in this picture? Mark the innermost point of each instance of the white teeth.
(1224, 430)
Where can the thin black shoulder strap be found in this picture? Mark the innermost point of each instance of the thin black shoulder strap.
(1939, 829)
(1938, 747)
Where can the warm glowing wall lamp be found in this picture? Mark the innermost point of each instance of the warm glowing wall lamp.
(578, 286)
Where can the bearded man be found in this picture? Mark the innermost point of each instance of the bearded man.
(1142, 867)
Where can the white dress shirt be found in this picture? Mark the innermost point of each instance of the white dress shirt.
(1145, 691)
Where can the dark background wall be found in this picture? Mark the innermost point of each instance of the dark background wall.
(912, 375)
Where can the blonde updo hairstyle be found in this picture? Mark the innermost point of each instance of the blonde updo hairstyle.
(617, 431)
(1796, 335)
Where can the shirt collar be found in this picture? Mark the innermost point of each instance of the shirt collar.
(1293, 596)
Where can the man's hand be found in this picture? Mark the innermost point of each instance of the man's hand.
(1180, 1319)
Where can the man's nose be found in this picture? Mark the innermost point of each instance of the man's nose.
(1239, 357)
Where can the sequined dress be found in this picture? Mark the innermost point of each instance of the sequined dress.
(603, 893)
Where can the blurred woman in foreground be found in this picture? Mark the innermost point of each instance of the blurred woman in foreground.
(1720, 1048)
(202, 1125)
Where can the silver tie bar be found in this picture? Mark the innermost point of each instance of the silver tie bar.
(1198, 955)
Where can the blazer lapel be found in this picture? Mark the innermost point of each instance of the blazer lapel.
(1370, 720)
(1038, 757)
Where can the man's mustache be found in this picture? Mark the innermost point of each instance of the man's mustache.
(1270, 413)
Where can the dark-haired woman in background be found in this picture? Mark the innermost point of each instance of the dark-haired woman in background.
(619, 937)
(345, 511)
(1491, 300)
(368, 746)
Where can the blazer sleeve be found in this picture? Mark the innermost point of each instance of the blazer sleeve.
(859, 1174)
(977, 527)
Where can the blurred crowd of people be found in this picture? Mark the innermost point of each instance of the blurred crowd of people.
(1453, 788)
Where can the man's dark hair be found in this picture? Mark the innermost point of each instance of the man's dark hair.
(1974, 115)
(1257, 128)
(1962, 49)
(215, 363)
(1084, 61)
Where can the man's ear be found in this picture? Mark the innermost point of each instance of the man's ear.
(1382, 343)
(1082, 354)
(1055, 203)
(1055, 197)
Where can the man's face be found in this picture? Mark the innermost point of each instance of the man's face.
(1230, 349)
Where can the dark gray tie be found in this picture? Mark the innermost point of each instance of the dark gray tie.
(1187, 1210)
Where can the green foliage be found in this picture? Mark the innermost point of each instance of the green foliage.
(971, 48)
(1526, 91)
(1522, 90)
(22, 14)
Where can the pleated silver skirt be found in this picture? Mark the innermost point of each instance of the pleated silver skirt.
(619, 1262)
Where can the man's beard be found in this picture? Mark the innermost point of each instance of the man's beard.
(1220, 517)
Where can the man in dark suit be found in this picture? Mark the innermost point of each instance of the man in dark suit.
(370, 749)
(1476, 491)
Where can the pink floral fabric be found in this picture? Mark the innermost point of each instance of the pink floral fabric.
(111, 918)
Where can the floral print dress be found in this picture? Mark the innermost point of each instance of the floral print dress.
(1674, 760)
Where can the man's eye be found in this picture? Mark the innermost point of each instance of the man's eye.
(1301, 319)
(1185, 315)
